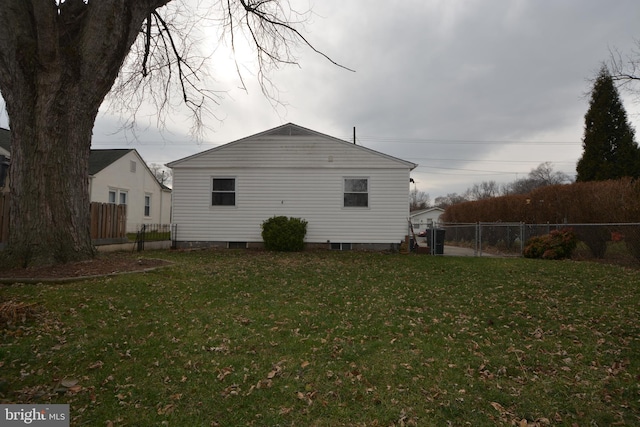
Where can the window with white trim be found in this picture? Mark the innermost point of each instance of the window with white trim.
(147, 205)
(122, 198)
(356, 192)
(223, 192)
(112, 196)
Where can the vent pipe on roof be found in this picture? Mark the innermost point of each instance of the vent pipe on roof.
(354, 135)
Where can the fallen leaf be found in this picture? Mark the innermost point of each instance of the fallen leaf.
(69, 382)
(167, 409)
(222, 373)
(498, 407)
(97, 365)
(285, 410)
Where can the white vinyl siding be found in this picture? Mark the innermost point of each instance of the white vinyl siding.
(315, 195)
(117, 184)
(300, 177)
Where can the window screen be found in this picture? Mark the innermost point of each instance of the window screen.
(356, 192)
(223, 192)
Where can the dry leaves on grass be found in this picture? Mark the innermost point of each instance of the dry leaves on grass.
(14, 312)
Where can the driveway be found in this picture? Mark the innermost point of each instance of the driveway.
(457, 250)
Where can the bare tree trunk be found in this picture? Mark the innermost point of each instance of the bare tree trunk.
(50, 220)
(57, 63)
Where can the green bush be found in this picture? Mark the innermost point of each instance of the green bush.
(559, 244)
(284, 234)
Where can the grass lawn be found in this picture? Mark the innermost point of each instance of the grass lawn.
(244, 338)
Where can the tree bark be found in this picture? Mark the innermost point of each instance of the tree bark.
(57, 63)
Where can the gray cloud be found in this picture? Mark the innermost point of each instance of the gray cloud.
(436, 82)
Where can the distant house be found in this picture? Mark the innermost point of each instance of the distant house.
(426, 218)
(352, 197)
(121, 176)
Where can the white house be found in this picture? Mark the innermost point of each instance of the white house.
(118, 176)
(121, 176)
(351, 196)
(426, 218)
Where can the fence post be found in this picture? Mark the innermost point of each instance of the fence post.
(140, 238)
(174, 235)
(477, 239)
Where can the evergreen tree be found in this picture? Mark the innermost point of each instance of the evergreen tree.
(610, 151)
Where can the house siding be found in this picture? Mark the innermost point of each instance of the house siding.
(294, 176)
(422, 219)
(315, 195)
(119, 176)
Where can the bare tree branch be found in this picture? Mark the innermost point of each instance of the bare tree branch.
(165, 60)
(256, 8)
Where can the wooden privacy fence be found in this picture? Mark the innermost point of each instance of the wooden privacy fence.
(108, 221)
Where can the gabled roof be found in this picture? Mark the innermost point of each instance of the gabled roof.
(289, 130)
(100, 159)
(293, 130)
(423, 211)
(5, 139)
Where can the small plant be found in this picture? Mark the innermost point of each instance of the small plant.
(559, 244)
(284, 234)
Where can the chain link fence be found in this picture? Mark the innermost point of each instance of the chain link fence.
(614, 241)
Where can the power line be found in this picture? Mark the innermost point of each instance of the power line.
(490, 161)
(458, 141)
(469, 170)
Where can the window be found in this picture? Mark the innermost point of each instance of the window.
(356, 192)
(223, 192)
(132, 166)
(147, 205)
(118, 196)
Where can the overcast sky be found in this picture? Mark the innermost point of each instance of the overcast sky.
(470, 90)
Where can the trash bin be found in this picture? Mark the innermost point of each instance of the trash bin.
(438, 234)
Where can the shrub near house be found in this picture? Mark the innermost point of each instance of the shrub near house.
(284, 234)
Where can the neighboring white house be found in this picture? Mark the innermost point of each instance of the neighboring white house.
(121, 176)
(351, 196)
(426, 218)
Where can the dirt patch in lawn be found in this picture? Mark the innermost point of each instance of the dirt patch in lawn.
(102, 265)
